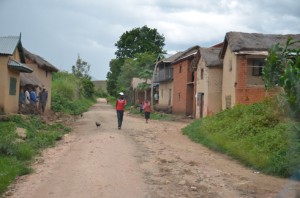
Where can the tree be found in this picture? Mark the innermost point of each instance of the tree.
(140, 40)
(112, 76)
(130, 48)
(282, 69)
(145, 62)
(81, 69)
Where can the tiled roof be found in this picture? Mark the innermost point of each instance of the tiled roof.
(8, 44)
(189, 53)
(18, 66)
(172, 57)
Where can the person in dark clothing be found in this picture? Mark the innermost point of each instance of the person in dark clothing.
(120, 105)
(43, 96)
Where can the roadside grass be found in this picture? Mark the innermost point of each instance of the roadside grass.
(16, 154)
(255, 135)
(68, 94)
(72, 107)
(154, 115)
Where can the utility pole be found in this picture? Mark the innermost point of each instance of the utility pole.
(153, 77)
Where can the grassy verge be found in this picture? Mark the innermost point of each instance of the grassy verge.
(154, 115)
(16, 154)
(253, 134)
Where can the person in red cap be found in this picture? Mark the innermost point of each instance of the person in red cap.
(120, 104)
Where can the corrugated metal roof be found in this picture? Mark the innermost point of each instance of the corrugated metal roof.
(8, 44)
(18, 66)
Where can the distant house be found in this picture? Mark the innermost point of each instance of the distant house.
(138, 94)
(209, 82)
(100, 85)
(42, 74)
(12, 63)
(164, 77)
(184, 90)
(243, 57)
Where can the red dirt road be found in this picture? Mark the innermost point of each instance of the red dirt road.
(142, 160)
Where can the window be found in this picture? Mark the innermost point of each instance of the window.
(13, 86)
(257, 65)
(201, 74)
(180, 68)
(228, 101)
(230, 66)
(178, 96)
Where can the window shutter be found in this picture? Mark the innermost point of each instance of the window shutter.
(13, 86)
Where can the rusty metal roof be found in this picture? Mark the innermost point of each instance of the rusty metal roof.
(8, 44)
(18, 66)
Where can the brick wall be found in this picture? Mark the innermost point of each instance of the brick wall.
(180, 87)
(246, 94)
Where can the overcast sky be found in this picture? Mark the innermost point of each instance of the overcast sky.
(60, 30)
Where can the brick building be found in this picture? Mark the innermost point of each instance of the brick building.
(184, 71)
(243, 57)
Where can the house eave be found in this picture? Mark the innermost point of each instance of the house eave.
(260, 53)
(12, 64)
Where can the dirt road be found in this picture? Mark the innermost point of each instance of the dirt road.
(140, 161)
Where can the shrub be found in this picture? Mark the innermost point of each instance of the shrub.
(253, 134)
(15, 156)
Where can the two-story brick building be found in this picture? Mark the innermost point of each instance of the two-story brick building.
(164, 76)
(243, 57)
(184, 71)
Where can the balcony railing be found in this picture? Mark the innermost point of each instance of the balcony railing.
(164, 75)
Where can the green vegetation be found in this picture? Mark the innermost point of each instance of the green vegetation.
(68, 95)
(154, 115)
(73, 93)
(17, 154)
(136, 54)
(255, 135)
(282, 69)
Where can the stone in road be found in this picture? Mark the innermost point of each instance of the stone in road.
(141, 160)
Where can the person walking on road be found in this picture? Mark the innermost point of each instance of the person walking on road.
(120, 104)
(147, 110)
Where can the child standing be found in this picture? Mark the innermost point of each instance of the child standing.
(147, 110)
